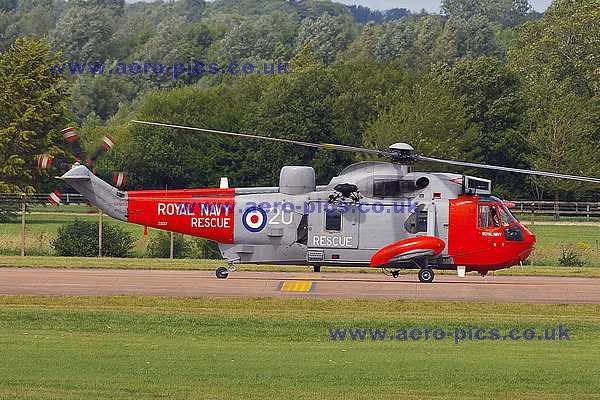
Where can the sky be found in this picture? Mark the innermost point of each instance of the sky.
(429, 5)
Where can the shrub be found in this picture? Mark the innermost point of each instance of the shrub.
(160, 243)
(183, 247)
(80, 239)
(570, 258)
(205, 249)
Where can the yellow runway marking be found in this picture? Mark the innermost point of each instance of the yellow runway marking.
(297, 286)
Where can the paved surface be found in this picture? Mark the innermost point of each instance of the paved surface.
(81, 282)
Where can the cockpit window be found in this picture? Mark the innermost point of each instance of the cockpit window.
(488, 216)
(507, 218)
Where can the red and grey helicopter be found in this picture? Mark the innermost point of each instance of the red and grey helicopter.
(373, 214)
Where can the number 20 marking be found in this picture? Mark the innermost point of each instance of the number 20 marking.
(280, 217)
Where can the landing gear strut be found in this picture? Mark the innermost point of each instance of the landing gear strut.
(426, 275)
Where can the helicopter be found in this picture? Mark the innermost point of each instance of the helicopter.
(378, 214)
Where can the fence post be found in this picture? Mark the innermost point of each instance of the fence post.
(587, 216)
(23, 210)
(171, 247)
(100, 235)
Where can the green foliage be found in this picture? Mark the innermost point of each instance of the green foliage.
(570, 258)
(159, 246)
(84, 33)
(563, 47)
(101, 95)
(327, 35)
(486, 80)
(205, 249)
(32, 111)
(557, 58)
(80, 239)
(504, 12)
(425, 114)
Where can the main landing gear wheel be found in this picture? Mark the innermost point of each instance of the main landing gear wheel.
(426, 275)
(222, 273)
(317, 268)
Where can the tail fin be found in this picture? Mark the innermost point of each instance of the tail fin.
(104, 196)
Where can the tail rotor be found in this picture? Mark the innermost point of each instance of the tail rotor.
(60, 165)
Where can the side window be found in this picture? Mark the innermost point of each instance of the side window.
(488, 217)
(383, 188)
(302, 230)
(333, 220)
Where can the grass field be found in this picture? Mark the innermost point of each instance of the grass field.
(42, 225)
(73, 348)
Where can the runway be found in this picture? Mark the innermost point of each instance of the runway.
(110, 282)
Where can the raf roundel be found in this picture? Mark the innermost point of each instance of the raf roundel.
(254, 219)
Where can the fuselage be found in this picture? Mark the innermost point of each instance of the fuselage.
(298, 222)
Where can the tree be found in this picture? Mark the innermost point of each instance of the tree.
(396, 13)
(363, 14)
(169, 45)
(8, 5)
(327, 35)
(192, 10)
(472, 37)
(565, 136)
(85, 33)
(507, 13)
(101, 95)
(156, 157)
(296, 106)
(494, 108)
(425, 114)
(557, 58)
(397, 40)
(32, 112)
(251, 39)
(461, 8)
(427, 31)
(564, 47)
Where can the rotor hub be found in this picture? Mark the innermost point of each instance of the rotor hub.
(402, 153)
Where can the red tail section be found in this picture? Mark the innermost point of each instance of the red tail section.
(207, 213)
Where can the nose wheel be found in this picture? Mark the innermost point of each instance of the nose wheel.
(222, 272)
(426, 275)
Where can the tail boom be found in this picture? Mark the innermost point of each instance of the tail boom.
(207, 213)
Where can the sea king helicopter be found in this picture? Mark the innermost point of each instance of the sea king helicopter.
(373, 214)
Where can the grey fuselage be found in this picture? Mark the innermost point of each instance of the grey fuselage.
(303, 228)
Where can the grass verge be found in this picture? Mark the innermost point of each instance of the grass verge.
(129, 347)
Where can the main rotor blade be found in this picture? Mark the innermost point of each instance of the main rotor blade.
(516, 170)
(324, 146)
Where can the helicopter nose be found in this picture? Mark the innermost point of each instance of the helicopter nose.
(529, 236)
(528, 241)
